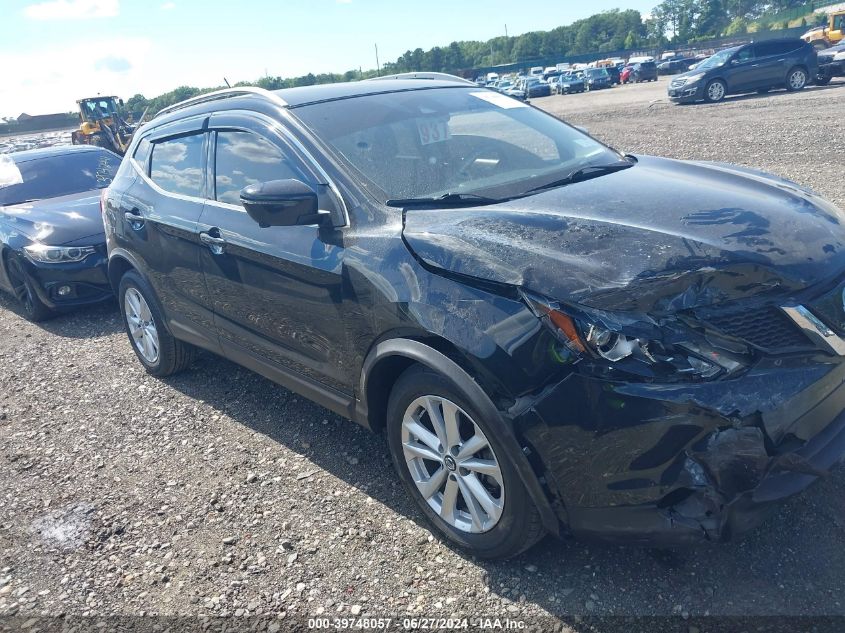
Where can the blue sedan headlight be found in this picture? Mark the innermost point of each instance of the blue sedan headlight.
(45, 254)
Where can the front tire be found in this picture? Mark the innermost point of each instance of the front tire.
(796, 79)
(33, 308)
(456, 469)
(715, 91)
(159, 352)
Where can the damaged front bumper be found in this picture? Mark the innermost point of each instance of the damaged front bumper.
(675, 464)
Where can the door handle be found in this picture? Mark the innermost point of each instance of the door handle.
(135, 219)
(214, 243)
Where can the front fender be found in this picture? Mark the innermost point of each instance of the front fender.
(423, 354)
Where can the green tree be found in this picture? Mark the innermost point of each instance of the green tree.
(737, 25)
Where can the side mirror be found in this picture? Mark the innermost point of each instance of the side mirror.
(282, 203)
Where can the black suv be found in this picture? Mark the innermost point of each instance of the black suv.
(643, 71)
(781, 63)
(459, 269)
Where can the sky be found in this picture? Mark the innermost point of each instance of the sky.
(53, 52)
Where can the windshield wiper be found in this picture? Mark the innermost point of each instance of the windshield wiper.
(447, 199)
(582, 173)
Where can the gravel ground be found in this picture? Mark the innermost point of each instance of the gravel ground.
(217, 492)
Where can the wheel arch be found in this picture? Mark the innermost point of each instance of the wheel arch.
(799, 65)
(5, 252)
(119, 264)
(388, 359)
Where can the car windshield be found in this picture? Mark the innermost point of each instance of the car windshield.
(596, 72)
(427, 143)
(54, 176)
(719, 59)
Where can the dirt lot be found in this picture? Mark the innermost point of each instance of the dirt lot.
(216, 492)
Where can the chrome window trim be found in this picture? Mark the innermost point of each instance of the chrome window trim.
(226, 205)
(297, 144)
(159, 190)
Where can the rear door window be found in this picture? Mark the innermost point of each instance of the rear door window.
(769, 49)
(245, 158)
(177, 165)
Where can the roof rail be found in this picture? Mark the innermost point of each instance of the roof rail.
(226, 93)
(425, 75)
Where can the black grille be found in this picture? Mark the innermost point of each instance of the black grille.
(767, 328)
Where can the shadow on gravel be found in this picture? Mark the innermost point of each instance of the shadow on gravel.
(93, 321)
(789, 566)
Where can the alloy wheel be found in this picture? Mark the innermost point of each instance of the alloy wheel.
(716, 91)
(797, 80)
(453, 464)
(142, 327)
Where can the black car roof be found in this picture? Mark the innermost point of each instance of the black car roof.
(50, 152)
(329, 92)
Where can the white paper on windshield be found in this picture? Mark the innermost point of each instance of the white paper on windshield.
(433, 130)
(498, 99)
(9, 172)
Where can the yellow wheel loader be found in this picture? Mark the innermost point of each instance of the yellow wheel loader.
(102, 124)
(825, 36)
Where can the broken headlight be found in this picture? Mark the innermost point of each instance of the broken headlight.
(635, 346)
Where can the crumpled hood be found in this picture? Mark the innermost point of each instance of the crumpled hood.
(661, 236)
(58, 221)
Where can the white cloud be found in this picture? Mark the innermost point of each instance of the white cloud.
(72, 9)
(168, 6)
(40, 81)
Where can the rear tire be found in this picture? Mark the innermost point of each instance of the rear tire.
(33, 308)
(501, 521)
(796, 79)
(160, 353)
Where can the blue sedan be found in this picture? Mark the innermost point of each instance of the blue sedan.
(52, 239)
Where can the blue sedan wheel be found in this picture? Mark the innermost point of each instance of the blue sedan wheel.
(33, 309)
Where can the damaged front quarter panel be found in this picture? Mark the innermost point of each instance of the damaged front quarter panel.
(643, 442)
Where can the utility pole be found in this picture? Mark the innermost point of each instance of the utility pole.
(506, 30)
(378, 66)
